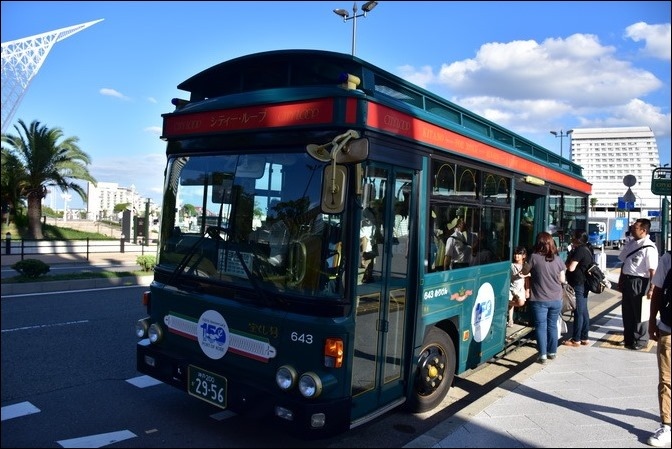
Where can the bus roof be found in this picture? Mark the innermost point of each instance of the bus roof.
(302, 68)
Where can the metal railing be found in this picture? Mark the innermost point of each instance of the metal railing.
(84, 247)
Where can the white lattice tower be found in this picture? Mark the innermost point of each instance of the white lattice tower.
(22, 59)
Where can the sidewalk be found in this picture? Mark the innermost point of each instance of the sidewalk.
(600, 395)
(126, 259)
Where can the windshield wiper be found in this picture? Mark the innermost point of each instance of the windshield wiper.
(215, 232)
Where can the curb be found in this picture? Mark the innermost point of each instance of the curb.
(75, 284)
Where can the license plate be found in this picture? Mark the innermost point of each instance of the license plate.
(207, 386)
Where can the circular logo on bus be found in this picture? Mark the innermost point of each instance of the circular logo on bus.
(213, 334)
(483, 312)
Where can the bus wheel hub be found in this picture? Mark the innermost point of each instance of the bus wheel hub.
(432, 364)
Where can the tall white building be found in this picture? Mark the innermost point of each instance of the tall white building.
(105, 195)
(607, 155)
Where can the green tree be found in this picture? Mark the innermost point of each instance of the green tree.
(48, 159)
(12, 184)
(120, 207)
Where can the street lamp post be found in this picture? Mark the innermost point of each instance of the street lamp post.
(66, 197)
(366, 8)
(561, 135)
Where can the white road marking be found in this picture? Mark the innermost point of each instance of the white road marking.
(143, 381)
(41, 326)
(17, 410)
(100, 440)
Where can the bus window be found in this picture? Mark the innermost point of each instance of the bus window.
(483, 236)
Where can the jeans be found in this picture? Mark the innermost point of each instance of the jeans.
(581, 315)
(545, 315)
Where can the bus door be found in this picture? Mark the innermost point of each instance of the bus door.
(382, 290)
(529, 215)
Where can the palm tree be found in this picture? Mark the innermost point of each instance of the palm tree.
(593, 203)
(48, 159)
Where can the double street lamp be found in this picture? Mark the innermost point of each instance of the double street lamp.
(561, 135)
(366, 8)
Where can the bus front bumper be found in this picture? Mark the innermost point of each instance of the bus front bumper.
(307, 418)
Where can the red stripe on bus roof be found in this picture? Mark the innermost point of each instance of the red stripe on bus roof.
(387, 119)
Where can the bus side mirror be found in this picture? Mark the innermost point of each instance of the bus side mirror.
(334, 184)
(355, 151)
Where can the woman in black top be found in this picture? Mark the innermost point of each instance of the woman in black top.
(578, 261)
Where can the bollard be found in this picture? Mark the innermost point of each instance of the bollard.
(121, 242)
(8, 243)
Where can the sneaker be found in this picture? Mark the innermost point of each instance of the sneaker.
(661, 438)
(541, 359)
(551, 356)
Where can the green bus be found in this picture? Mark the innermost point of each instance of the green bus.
(301, 269)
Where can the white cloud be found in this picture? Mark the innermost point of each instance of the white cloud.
(113, 93)
(156, 130)
(152, 100)
(530, 87)
(657, 38)
(145, 171)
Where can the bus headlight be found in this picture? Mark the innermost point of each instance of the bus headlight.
(286, 377)
(141, 327)
(310, 385)
(155, 333)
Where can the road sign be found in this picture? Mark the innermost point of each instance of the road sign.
(625, 205)
(661, 181)
(629, 196)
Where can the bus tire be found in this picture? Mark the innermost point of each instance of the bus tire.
(435, 371)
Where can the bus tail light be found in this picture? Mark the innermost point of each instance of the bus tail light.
(333, 353)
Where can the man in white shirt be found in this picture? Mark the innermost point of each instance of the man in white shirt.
(458, 252)
(640, 260)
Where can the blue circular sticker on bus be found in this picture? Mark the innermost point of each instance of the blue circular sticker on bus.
(213, 334)
(483, 312)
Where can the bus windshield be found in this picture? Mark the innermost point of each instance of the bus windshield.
(253, 221)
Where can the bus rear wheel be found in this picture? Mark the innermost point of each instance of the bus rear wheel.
(435, 371)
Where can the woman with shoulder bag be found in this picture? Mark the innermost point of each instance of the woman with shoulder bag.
(578, 261)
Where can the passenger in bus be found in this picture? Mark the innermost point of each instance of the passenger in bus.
(458, 252)
(547, 271)
(519, 289)
(367, 245)
(482, 253)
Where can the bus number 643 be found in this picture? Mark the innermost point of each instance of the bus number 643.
(302, 338)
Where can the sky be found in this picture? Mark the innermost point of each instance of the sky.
(532, 67)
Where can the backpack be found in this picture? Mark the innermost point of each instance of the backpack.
(665, 307)
(595, 279)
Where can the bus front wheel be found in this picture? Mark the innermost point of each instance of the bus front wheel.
(435, 371)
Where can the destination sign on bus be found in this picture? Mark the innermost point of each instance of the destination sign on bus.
(266, 116)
